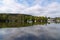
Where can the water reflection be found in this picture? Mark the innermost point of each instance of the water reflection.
(50, 31)
(18, 24)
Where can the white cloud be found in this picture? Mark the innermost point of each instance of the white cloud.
(34, 10)
(11, 6)
(51, 10)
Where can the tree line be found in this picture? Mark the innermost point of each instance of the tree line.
(21, 18)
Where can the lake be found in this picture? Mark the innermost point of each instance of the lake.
(47, 31)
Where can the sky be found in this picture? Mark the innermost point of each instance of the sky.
(49, 8)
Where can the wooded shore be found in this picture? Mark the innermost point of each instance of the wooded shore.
(21, 18)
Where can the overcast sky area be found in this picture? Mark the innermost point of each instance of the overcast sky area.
(49, 8)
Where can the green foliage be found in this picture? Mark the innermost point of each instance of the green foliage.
(20, 19)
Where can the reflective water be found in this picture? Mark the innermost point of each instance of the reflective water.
(19, 24)
(49, 31)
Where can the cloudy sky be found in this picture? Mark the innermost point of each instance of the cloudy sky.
(34, 7)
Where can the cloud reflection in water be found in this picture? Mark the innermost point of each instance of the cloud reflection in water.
(36, 32)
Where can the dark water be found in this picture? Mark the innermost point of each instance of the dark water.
(50, 31)
(19, 24)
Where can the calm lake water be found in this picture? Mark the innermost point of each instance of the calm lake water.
(49, 31)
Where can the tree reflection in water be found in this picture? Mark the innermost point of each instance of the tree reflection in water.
(48, 31)
(18, 24)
